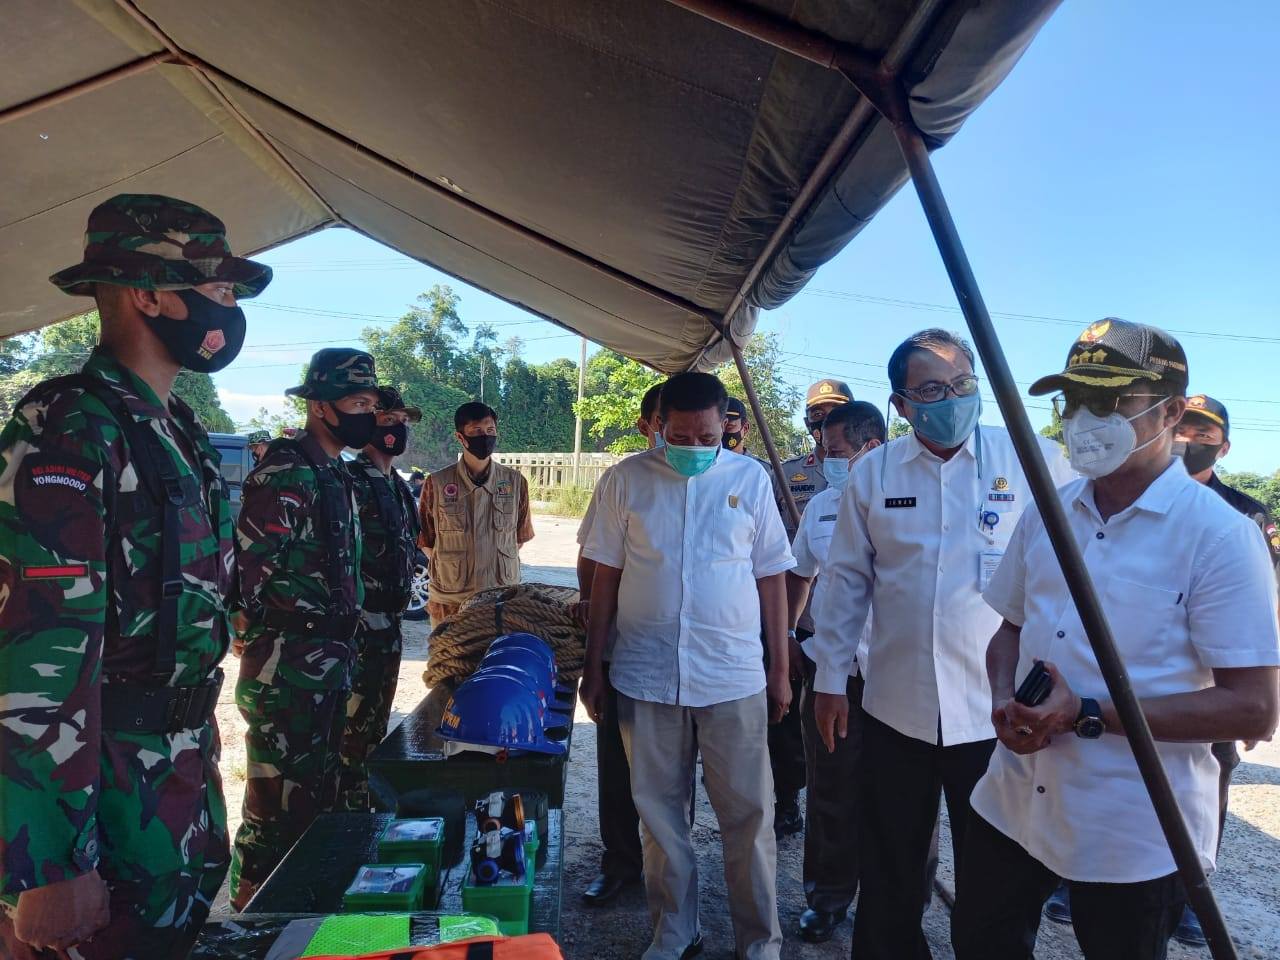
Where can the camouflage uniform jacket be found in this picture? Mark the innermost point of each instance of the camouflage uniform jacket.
(283, 562)
(390, 544)
(80, 570)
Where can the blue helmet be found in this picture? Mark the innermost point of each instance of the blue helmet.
(497, 710)
(556, 717)
(526, 641)
(533, 663)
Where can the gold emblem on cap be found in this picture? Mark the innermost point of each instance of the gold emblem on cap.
(1196, 402)
(1002, 483)
(1096, 331)
(825, 388)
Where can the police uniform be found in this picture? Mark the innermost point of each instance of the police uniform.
(108, 680)
(474, 531)
(300, 551)
(389, 523)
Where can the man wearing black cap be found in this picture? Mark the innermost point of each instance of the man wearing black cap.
(1186, 586)
(737, 427)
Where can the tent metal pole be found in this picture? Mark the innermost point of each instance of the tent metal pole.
(916, 154)
(88, 85)
(770, 447)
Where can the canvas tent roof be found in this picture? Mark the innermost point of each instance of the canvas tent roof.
(618, 167)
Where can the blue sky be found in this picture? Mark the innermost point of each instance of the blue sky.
(1124, 169)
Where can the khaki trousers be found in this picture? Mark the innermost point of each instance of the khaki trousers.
(662, 743)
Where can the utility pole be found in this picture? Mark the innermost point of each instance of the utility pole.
(577, 417)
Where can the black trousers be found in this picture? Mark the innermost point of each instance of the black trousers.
(619, 822)
(831, 804)
(1000, 890)
(902, 781)
(786, 744)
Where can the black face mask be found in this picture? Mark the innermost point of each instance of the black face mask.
(393, 439)
(354, 430)
(732, 441)
(210, 337)
(1200, 456)
(481, 447)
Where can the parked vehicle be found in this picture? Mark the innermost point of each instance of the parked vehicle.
(237, 461)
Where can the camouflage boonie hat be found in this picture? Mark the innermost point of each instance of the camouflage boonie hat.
(336, 372)
(259, 436)
(153, 242)
(390, 400)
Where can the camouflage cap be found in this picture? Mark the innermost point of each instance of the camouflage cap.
(336, 372)
(158, 243)
(259, 436)
(390, 400)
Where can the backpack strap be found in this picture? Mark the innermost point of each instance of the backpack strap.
(333, 490)
(158, 475)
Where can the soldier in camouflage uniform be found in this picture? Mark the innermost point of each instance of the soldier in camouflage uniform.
(389, 524)
(299, 560)
(112, 822)
(257, 443)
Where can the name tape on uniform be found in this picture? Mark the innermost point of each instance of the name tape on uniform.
(891, 503)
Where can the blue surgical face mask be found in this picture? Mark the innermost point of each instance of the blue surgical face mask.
(690, 461)
(949, 422)
(659, 440)
(836, 470)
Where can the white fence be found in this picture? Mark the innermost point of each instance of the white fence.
(556, 469)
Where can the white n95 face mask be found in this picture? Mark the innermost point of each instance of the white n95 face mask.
(1099, 446)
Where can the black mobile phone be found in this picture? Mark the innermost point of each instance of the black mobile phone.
(1035, 686)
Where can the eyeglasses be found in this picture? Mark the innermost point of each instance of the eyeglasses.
(1099, 404)
(933, 390)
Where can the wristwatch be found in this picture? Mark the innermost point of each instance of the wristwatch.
(791, 635)
(1089, 725)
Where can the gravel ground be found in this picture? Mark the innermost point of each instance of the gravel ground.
(1245, 885)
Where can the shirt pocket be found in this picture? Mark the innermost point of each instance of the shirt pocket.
(504, 513)
(728, 532)
(1142, 618)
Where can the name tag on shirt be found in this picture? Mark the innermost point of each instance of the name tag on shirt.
(988, 561)
(827, 518)
(891, 503)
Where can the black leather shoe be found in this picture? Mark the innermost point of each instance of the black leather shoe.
(1189, 931)
(787, 819)
(604, 889)
(817, 926)
(1058, 906)
(693, 949)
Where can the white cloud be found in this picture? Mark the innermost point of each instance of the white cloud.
(242, 406)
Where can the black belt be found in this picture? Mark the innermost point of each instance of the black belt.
(340, 626)
(134, 708)
(386, 601)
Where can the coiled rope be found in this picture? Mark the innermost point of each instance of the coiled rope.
(457, 645)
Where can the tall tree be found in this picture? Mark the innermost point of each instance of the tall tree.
(64, 347)
(780, 401)
(615, 386)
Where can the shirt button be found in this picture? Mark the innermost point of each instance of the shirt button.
(946, 526)
(1100, 535)
(1061, 634)
(1039, 789)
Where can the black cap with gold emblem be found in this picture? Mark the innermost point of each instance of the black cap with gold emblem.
(827, 391)
(1207, 408)
(1115, 353)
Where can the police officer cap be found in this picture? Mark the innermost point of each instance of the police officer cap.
(1206, 408)
(828, 391)
(736, 409)
(336, 372)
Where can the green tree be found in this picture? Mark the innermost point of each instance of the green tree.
(276, 423)
(614, 388)
(1264, 489)
(779, 400)
(537, 405)
(1053, 429)
(898, 427)
(64, 347)
(15, 354)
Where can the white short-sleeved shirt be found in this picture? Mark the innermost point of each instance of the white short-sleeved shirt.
(811, 545)
(690, 551)
(1186, 585)
(584, 529)
(910, 537)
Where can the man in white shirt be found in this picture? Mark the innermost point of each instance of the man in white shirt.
(1185, 583)
(680, 536)
(621, 860)
(831, 802)
(922, 525)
